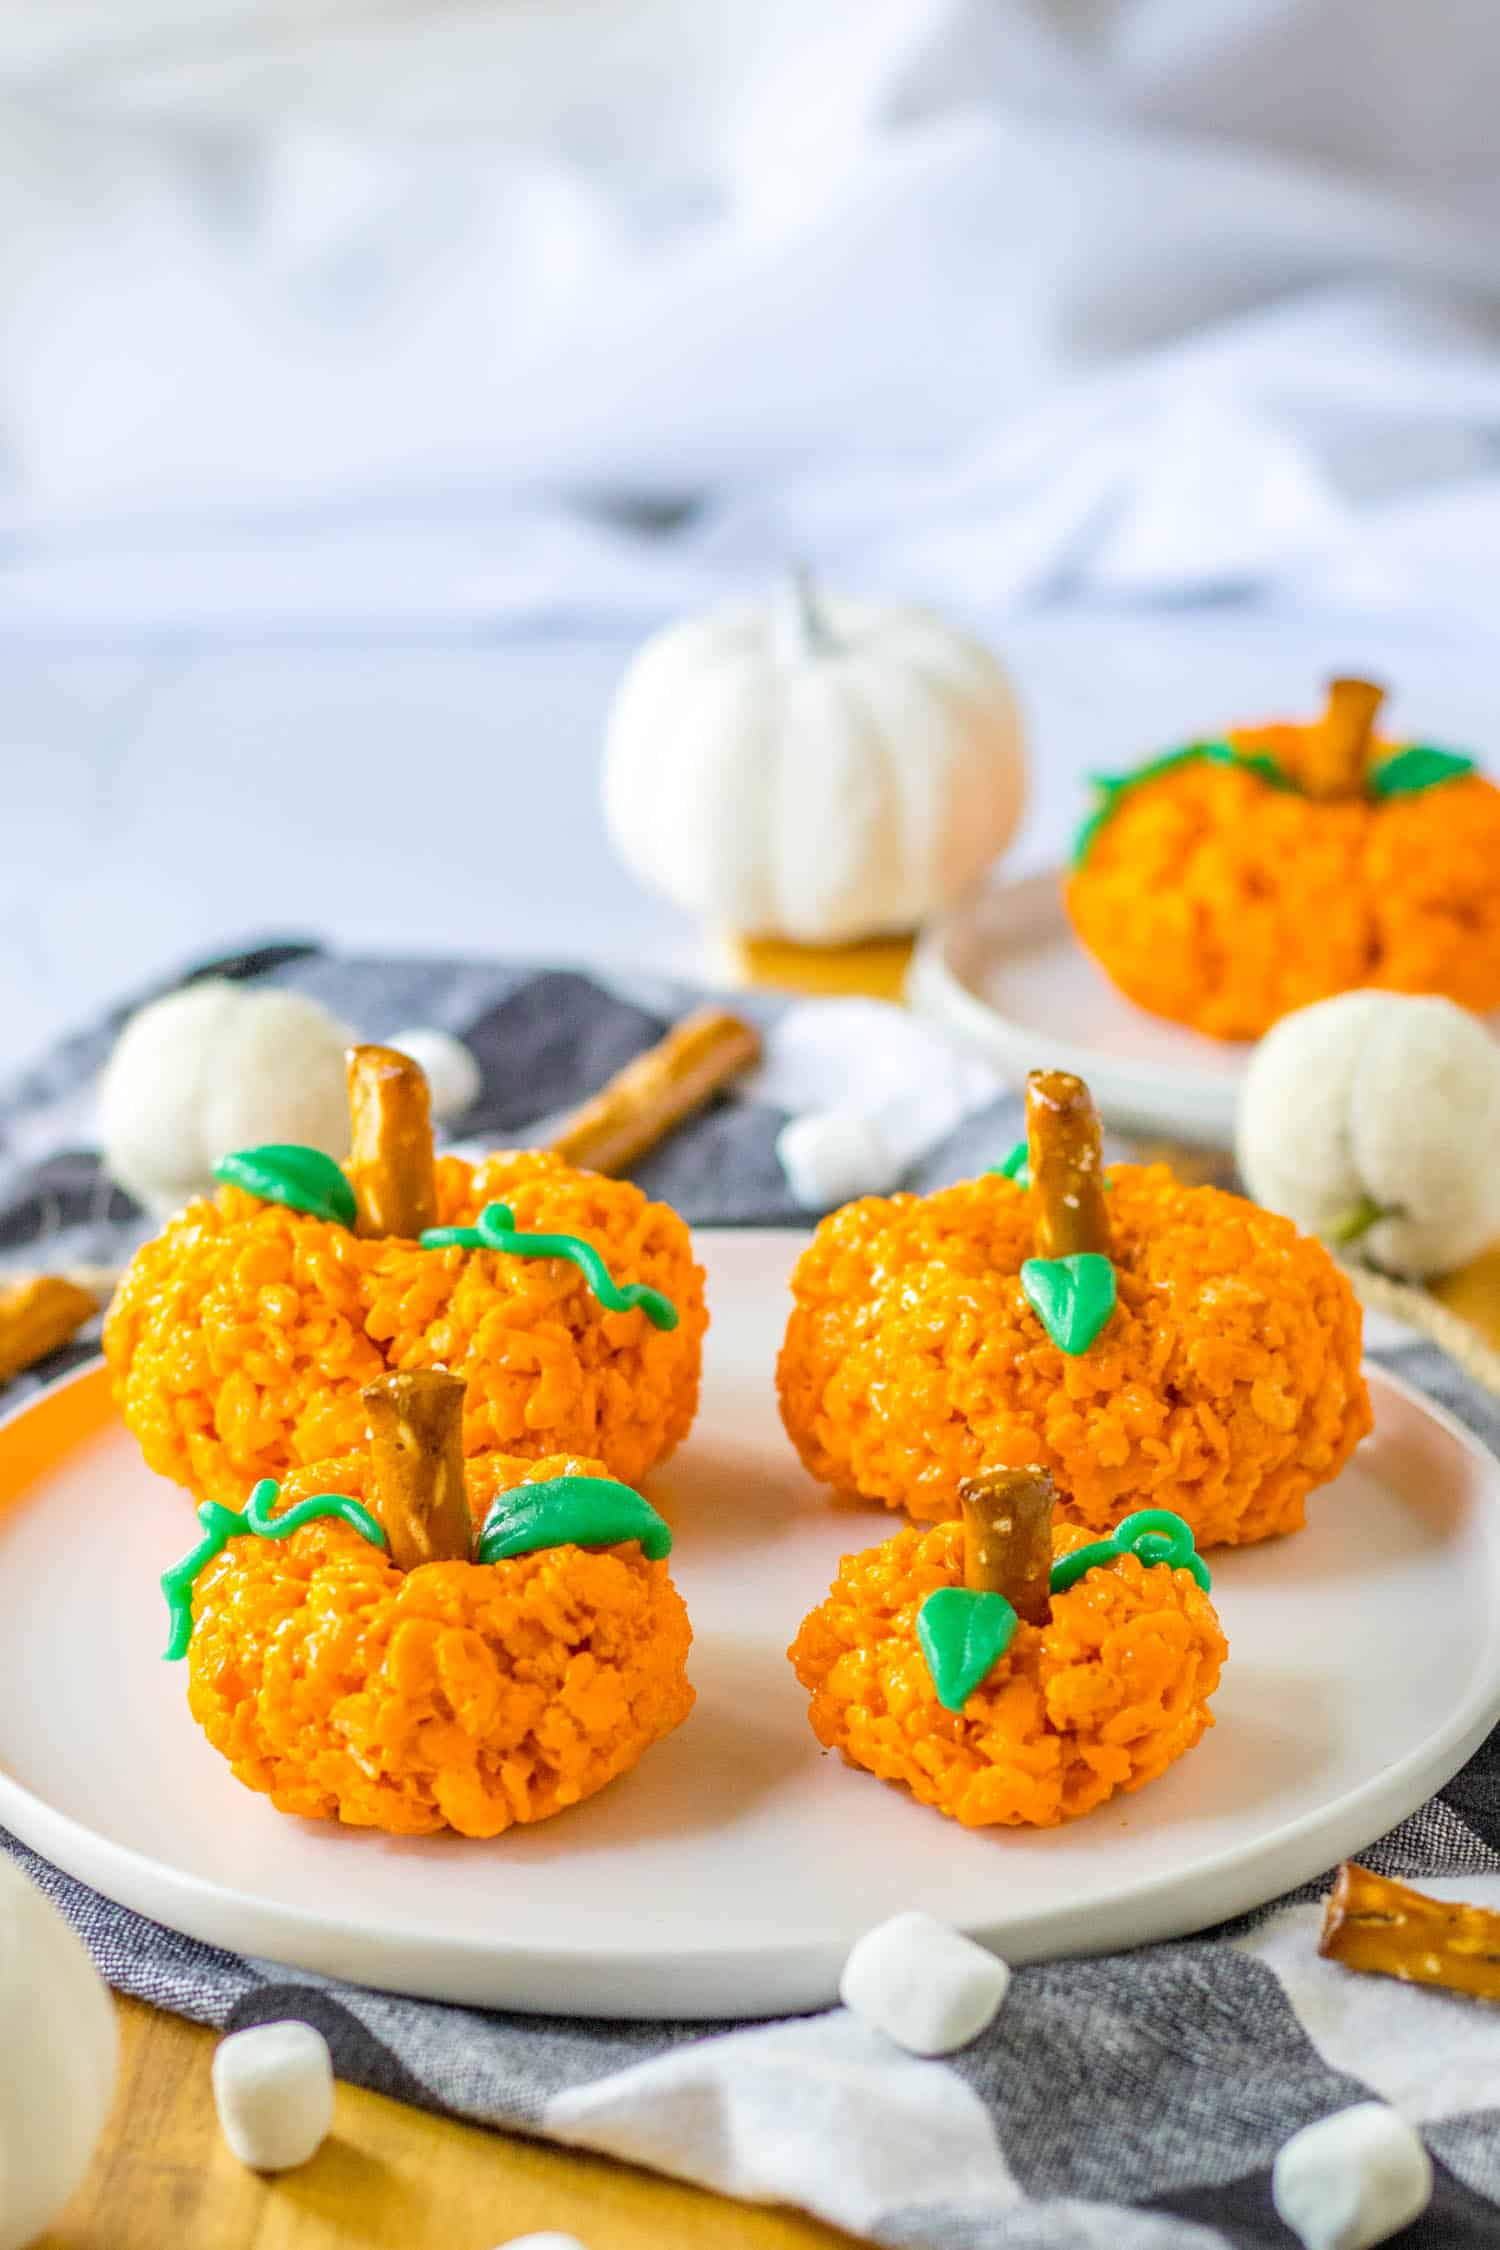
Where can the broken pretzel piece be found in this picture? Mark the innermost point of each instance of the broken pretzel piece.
(1384, 1929)
(38, 1314)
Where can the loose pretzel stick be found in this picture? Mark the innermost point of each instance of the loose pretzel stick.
(642, 1103)
(1008, 1538)
(36, 1315)
(417, 1455)
(1337, 750)
(390, 1147)
(1067, 1178)
(1385, 1930)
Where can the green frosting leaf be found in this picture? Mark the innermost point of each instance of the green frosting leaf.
(256, 1521)
(963, 1635)
(571, 1512)
(1071, 1297)
(495, 1229)
(1153, 1535)
(1111, 787)
(1415, 768)
(304, 1179)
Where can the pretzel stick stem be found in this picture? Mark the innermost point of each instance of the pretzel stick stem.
(1064, 1148)
(1008, 1538)
(417, 1456)
(1338, 749)
(390, 1147)
(1385, 1929)
(642, 1103)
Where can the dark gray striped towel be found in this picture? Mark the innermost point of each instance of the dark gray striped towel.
(1129, 2103)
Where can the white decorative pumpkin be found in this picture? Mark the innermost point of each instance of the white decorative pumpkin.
(1373, 1120)
(217, 1067)
(815, 769)
(58, 2055)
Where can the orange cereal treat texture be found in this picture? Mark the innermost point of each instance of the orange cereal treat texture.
(241, 1337)
(1225, 1385)
(1223, 896)
(1099, 1699)
(454, 1695)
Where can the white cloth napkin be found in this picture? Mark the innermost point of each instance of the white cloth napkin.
(312, 318)
(872, 1090)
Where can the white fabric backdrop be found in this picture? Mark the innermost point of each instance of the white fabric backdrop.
(388, 313)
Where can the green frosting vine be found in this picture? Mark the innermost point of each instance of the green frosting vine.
(495, 1229)
(304, 1179)
(1419, 766)
(1016, 1167)
(1152, 1535)
(571, 1512)
(963, 1634)
(1111, 787)
(220, 1525)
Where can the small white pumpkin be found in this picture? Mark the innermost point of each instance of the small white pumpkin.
(216, 1067)
(1373, 1120)
(58, 2056)
(816, 769)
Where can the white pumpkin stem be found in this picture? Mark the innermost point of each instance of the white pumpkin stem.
(1351, 1225)
(801, 625)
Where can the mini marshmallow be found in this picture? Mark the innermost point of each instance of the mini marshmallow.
(1353, 2179)
(542, 2242)
(453, 1075)
(922, 1984)
(273, 2089)
(832, 1155)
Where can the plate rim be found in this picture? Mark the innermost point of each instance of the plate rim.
(1164, 1096)
(697, 1981)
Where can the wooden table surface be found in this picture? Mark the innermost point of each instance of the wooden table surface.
(388, 2178)
(394, 2176)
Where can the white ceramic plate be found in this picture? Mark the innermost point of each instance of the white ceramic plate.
(729, 1874)
(1005, 972)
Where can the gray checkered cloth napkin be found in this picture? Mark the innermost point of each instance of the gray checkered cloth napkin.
(1133, 2103)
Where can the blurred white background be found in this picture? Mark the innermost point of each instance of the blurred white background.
(371, 374)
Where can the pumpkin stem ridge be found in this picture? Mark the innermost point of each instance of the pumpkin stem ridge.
(417, 1461)
(800, 629)
(390, 1146)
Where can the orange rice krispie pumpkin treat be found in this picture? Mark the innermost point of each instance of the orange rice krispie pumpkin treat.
(1008, 1673)
(242, 1336)
(358, 1654)
(1225, 884)
(1153, 1346)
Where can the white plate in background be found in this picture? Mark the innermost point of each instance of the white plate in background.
(1004, 971)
